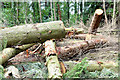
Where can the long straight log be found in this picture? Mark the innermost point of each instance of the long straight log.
(66, 52)
(32, 33)
(52, 60)
(7, 53)
(94, 65)
(96, 21)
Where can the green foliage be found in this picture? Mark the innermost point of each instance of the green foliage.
(3, 43)
(1, 72)
(77, 70)
(30, 11)
(32, 70)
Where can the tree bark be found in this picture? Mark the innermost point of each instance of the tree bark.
(54, 11)
(106, 20)
(69, 51)
(9, 52)
(96, 21)
(94, 65)
(32, 33)
(40, 11)
(113, 19)
(51, 11)
(17, 13)
(52, 60)
(59, 12)
(25, 8)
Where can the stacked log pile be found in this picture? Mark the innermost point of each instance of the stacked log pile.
(21, 38)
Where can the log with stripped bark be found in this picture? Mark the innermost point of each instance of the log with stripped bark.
(69, 51)
(52, 60)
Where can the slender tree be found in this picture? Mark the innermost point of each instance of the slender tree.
(113, 18)
(59, 12)
(33, 7)
(25, 9)
(14, 13)
(54, 11)
(51, 10)
(17, 13)
(68, 13)
(106, 20)
(40, 10)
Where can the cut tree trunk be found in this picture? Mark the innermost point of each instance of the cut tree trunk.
(96, 21)
(79, 48)
(94, 65)
(7, 53)
(52, 60)
(32, 33)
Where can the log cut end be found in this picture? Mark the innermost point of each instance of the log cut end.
(99, 11)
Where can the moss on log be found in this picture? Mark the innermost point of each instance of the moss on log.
(7, 53)
(32, 33)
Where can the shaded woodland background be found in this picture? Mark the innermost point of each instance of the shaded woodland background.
(70, 12)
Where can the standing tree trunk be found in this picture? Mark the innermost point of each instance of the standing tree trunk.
(113, 18)
(18, 13)
(0, 13)
(54, 11)
(106, 20)
(40, 11)
(59, 12)
(33, 6)
(14, 13)
(25, 8)
(75, 11)
(68, 13)
(51, 10)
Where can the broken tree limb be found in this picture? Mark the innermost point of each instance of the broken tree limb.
(95, 21)
(52, 60)
(32, 33)
(66, 52)
(7, 53)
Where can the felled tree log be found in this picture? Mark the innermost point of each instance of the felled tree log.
(52, 60)
(7, 53)
(32, 33)
(96, 21)
(74, 30)
(66, 52)
(94, 65)
(83, 36)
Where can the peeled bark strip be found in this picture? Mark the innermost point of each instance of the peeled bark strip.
(66, 52)
(32, 33)
(7, 53)
(52, 60)
(96, 21)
